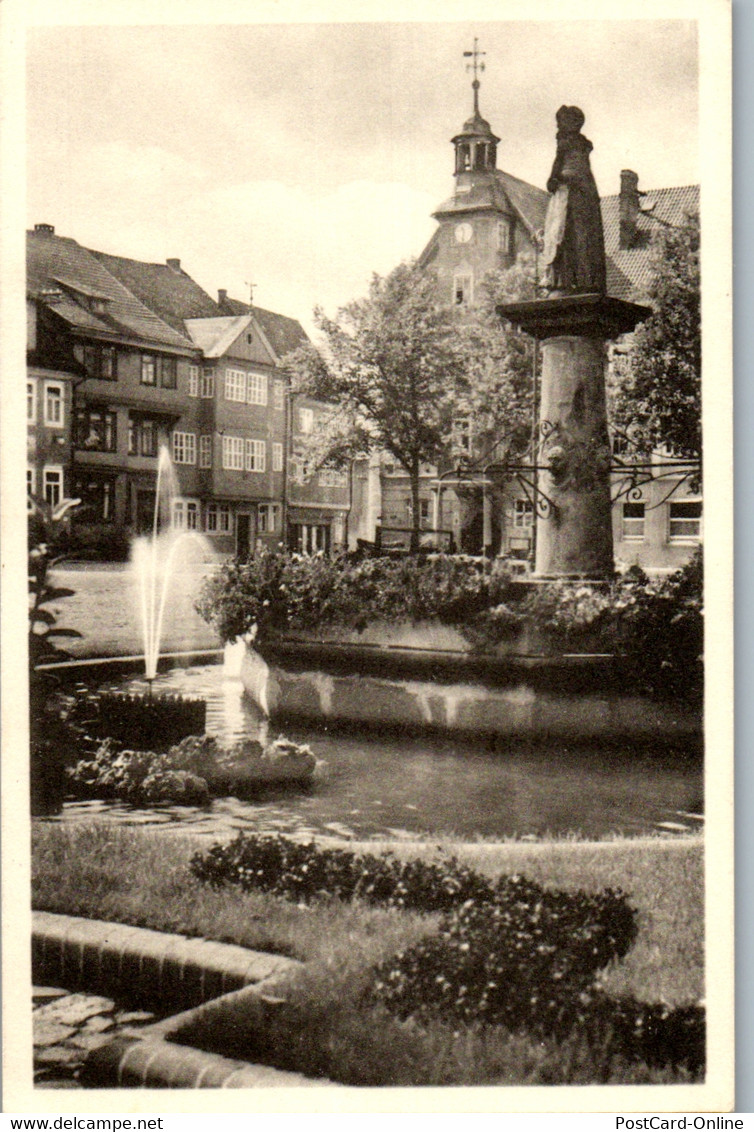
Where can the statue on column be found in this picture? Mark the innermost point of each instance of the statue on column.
(574, 248)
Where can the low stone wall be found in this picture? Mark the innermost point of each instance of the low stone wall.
(575, 698)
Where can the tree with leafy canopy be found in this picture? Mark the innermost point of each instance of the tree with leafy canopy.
(389, 368)
(397, 366)
(656, 394)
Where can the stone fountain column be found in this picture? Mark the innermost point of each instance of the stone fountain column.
(574, 324)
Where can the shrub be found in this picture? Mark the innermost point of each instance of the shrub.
(508, 951)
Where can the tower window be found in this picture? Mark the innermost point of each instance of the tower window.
(462, 290)
(505, 236)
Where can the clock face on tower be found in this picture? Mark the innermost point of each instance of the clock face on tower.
(463, 233)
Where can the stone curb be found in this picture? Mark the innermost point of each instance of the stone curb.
(228, 982)
(152, 1063)
(129, 962)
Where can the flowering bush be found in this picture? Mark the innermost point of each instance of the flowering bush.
(655, 627)
(508, 952)
(278, 591)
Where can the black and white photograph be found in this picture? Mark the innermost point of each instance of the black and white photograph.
(370, 727)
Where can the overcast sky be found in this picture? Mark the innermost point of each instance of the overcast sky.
(303, 157)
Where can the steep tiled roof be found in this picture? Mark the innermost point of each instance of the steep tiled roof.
(629, 269)
(58, 263)
(166, 290)
(281, 332)
(215, 336)
(503, 192)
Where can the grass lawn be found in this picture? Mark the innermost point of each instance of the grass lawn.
(143, 878)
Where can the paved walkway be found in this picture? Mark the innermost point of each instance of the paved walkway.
(67, 1027)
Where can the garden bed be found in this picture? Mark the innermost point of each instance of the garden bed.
(335, 1029)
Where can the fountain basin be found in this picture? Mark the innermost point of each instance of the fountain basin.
(413, 688)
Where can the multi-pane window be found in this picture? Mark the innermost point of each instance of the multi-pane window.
(143, 436)
(186, 514)
(267, 518)
(168, 372)
(193, 381)
(101, 361)
(148, 369)
(235, 385)
(233, 453)
(523, 513)
(462, 291)
(424, 510)
(505, 236)
(184, 447)
(256, 455)
(205, 451)
(97, 495)
(31, 482)
(52, 485)
(685, 521)
(208, 383)
(295, 470)
(31, 401)
(633, 522)
(306, 420)
(54, 404)
(277, 456)
(96, 430)
(218, 518)
(279, 394)
(257, 389)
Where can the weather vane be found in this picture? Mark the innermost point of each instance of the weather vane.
(475, 66)
(251, 287)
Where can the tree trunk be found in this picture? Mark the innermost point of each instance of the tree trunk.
(415, 508)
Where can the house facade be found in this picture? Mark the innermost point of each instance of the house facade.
(127, 358)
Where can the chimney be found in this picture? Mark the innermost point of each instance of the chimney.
(45, 229)
(222, 295)
(173, 264)
(628, 207)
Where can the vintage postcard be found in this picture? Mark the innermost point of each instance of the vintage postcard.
(363, 745)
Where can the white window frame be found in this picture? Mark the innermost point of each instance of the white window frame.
(148, 366)
(523, 514)
(205, 450)
(256, 386)
(256, 455)
(233, 453)
(31, 481)
(186, 514)
(31, 401)
(306, 420)
(277, 456)
(279, 394)
(56, 420)
(217, 518)
(267, 518)
(52, 470)
(633, 526)
(208, 383)
(235, 385)
(295, 470)
(685, 537)
(193, 381)
(184, 448)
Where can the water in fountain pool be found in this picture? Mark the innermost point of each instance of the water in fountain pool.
(369, 785)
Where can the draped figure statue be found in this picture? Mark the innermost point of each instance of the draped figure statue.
(574, 248)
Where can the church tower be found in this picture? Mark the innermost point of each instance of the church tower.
(490, 218)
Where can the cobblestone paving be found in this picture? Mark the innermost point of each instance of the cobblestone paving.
(67, 1026)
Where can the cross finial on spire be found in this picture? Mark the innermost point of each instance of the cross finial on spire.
(475, 66)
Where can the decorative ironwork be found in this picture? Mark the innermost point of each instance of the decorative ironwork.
(635, 476)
